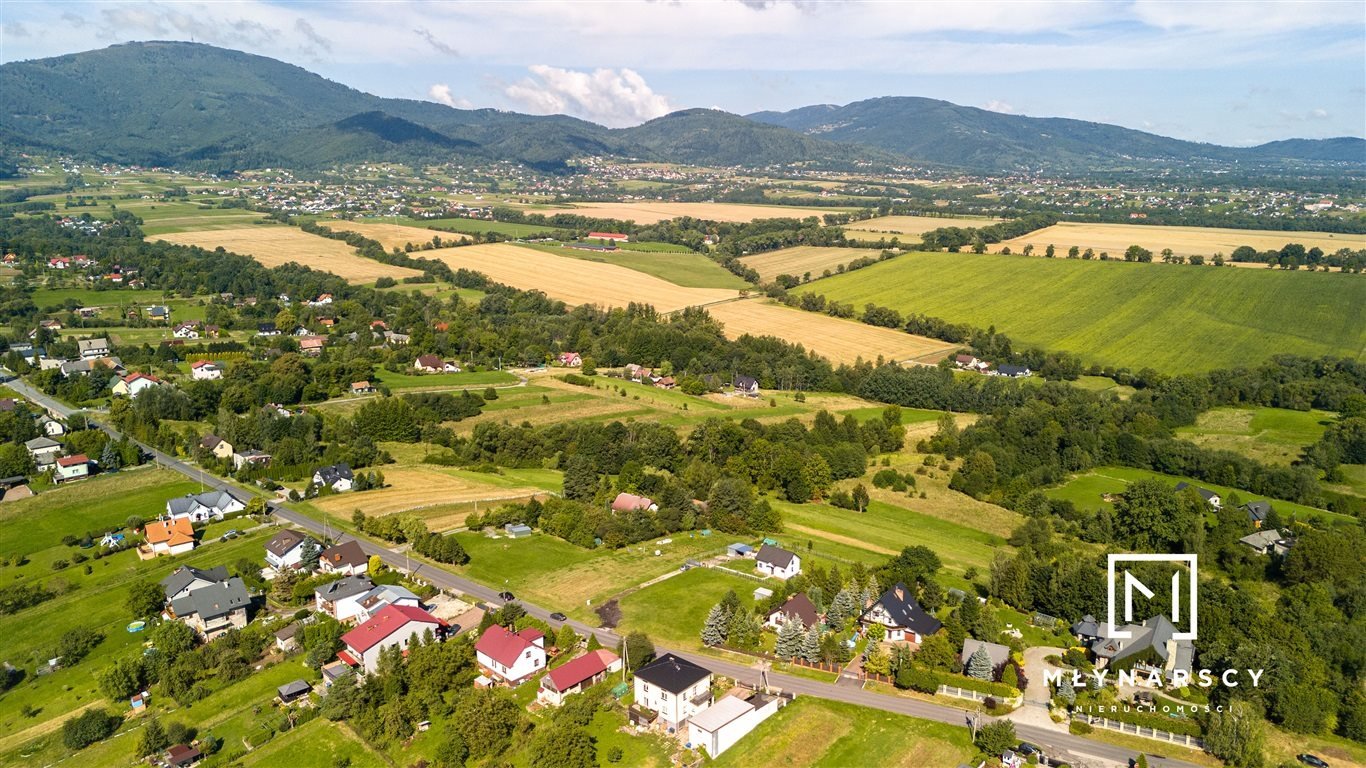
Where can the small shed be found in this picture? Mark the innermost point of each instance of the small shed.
(740, 550)
(762, 593)
(292, 692)
(517, 531)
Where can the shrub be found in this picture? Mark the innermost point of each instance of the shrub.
(91, 726)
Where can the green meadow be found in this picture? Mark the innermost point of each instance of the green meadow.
(685, 268)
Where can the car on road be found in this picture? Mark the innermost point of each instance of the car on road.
(1028, 749)
(557, 616)
(453, 630)
(506, 597)
(1313, 760)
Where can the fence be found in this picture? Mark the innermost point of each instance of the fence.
(978, 696)
(1195, 742)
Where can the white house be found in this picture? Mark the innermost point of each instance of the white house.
(92, 348)
(347, 558)
(396, 625)
(1211, 498)
(203, 507)
(510, 656)
(898, 611)
(718, 727)
(286, 550)
(187, 579)
(340, 599)
(675, 688)
(777, 562)
(44, 450)
(205, 370)
(169, 537)
(185, 331)
(244, 458)
(134, 383)
(73, 467)
(51, 427)
(338, 477)
(374, 601)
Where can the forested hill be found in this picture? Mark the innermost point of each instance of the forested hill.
(933, 131)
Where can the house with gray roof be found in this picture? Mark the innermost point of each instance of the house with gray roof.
(999, 654)
(203, 507)
(187, 579)
(340, 599)
(1257, 512)
(1149, 648)
(901, 614)
(1268, 542)
(777, 562)
(214, 609)
(373, 602)
(1211, 498)
(44, 451)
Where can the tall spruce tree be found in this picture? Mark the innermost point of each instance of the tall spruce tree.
(979, 664)
(789, 639)
(811, 645)
(716, 627)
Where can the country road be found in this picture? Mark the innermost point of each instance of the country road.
(1081, 751)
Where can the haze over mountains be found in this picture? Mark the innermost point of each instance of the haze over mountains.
(194, 105)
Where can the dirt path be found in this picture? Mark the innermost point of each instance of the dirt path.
(840, 539)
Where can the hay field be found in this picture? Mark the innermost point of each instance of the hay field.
(843, 341)
(1175, 319)
(651, 213)
(575, 281)
(416, 488)
(1184, 241)
(273, 246)
(390, 235)
(804, 258)
(914, 225)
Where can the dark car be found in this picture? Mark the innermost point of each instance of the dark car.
(506, 597)
(1313, 760)
(1028, 749)
(557, 616)
(453, 630)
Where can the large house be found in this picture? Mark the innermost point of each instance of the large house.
(395, 625)
(340, 599)
(574, 676)
(1013, 371)
(44, 451)
(286, 549)
(205, 370)
(220, 448)
(1150, 648)
(720, 726)
(214, 609)
(338, 477)
(347, 558)
(777, 562)
(73, 467)
(898, 611)
(1268, 542)
(511, 656)
(797, 608)
(746, 385)
(203, 507)
(133, 384)
(92, 348)
(429, 364)
(185, 330)
(1211, 498)
(169, 537)
(675, 688)
(629, 502)
(187, 579)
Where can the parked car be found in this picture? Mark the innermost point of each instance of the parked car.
(506, 597)
(1313, 760)
(1028, 749)
(557, 616)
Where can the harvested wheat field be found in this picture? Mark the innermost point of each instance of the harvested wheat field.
(843, 341)
(912, 225)
(273, 246)
(804, 258)
(1184, 241)
(419, 488)
(392, 235)
(575, 281)
(651, 213)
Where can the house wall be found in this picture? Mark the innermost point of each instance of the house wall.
(400, 636)
(674, 709)
(531, 661)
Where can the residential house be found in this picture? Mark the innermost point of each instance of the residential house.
(244, 458)
(347, 558)
(629, 502)
(340, 599)
(220, 448)
(615, 237)
(212, 331)
(186, 330)
(777, 562)
(73, 467)
(312, 345)
(665, 382)
(159, 312)
(59, 262)
(1211, 498)
(999, 654)
(1013, 371)
(898, 611)
(92, 348)
(204, 507)
(169, 537)
(214, 609)
(285, 640)
(394, 339)
(428, 364)
(205, 370)
(294, 691)
(183, 756)
(374, 601)
(1088, 630)
(286, 549)
(673, 687)
(133, 384)
(575, 675)
(720, 726)
(1257, 512)
(362, 388)
(44, 451)
(636, 372)
(510, 656)
(187, 579)
(571, 359)
(267, 329)
(50, 426)
(338, 477)
(322, 300)
(1268, 542)
(797, 608)
(395, 625)
(746, 386)
(1149, 647)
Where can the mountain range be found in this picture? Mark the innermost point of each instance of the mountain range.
(198, 106)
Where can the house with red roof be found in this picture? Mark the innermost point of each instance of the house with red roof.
(629, 502)
(395, 625)
(134, 383)
(571, 359)
(73, 467)
(511, 656)
(574, 676)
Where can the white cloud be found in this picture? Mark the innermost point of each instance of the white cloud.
(612, 97)
(1319, 114)
(441, 93)
(996, 105)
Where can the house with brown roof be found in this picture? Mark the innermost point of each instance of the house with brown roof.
(797, 608)
(428, 364)
(347, 558)
(286, 549)
(362, 388)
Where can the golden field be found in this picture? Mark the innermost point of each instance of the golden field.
(842, 341)
(1184, 241)
(418, 488)
(391, 235)
(912, 225)
(802, 259)
(273, 246)
(651, 213)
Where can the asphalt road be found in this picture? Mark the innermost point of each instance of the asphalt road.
(1082, 751)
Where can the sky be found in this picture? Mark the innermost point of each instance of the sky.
(1235, 73)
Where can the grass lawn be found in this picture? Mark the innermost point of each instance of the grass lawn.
(1085, 490)
(439, 380)
(819, 733)
(672, 611)
(318, 742)
(89, 297)
(688, 269)
(1103, 384)
(1173, 318)
(1272, 435)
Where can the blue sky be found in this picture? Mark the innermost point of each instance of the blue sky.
(1224, 72)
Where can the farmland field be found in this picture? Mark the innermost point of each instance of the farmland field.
(575, 281)
(273, 246)
(911, 225)
(842, 341)
(687, 269)
(442, 380)
(471, 226)
(804, 258)
(1184, 241)
(445, 498)
(654, 212)
(388, 235)
(1273, 435)
(1175, 319)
